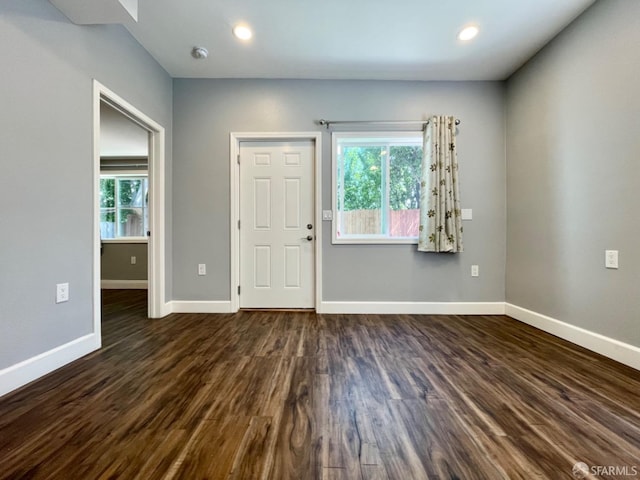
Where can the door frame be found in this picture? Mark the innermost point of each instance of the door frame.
(234, 151)
(157, 306)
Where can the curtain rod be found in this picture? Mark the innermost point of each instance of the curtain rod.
(328, 123)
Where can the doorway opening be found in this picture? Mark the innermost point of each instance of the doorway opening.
(124, 201)
(128, 199)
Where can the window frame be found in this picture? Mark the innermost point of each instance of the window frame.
(119, 174)
(370, 138)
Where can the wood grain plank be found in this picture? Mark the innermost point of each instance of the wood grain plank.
(298, 450)
(252, 457)
(211, 452)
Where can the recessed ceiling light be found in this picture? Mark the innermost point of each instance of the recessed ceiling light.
(242, 32)
(468, 33)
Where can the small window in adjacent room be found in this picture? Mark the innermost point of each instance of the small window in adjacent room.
(376, 187)
(124, 207)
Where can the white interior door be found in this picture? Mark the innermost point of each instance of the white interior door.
(277, 234)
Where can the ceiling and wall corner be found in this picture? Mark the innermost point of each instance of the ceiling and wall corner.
(91, 12)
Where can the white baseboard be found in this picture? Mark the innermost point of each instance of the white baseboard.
(181, 306)
(15, 376)
(166, 309)
(416, 308)
(609, 347)
(124, 284)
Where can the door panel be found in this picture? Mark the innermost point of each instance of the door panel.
(277, 198)
(262, 203)
(262, 268)
(292, 265)
(292, 203)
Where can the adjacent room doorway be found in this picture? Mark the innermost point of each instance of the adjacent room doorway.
(157, 306)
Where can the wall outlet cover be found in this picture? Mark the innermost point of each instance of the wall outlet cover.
(62, 292)
(611, 258)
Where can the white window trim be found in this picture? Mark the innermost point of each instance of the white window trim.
(125, 240)
(362, 239)
(124, 174)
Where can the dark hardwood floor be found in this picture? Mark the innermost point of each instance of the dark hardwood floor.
(295, 395)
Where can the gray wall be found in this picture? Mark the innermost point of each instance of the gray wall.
(573, 154)
(120, 136)
(206, 111)
(46, 158)
(116, 261)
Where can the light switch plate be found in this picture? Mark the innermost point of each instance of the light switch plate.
(327, 215)
(467, 213)
(611, 258)
(202, 269)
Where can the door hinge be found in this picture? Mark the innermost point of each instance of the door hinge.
(238, 289)
(238, 159)
(238, 224)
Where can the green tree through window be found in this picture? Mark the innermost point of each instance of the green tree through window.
(377, 186)
(404, 185)
(362, 178)
(123, 206)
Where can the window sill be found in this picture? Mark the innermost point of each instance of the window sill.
(374, 241)
(125, 240)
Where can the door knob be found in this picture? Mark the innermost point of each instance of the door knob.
(308, 238)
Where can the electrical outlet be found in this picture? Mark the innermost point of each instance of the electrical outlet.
(475, 271)
(611, 258)
(62, 292)
(202, 269)
(466, 213)
(133, 260)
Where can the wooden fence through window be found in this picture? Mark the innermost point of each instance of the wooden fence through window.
(402, 223)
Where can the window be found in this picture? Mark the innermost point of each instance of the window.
(376, 187)
(124, 207)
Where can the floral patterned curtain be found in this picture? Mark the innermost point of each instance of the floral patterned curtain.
(440, 216)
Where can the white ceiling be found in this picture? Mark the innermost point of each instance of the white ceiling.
(350, 39)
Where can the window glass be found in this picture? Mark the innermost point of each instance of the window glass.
(377, 187)
(124, 206)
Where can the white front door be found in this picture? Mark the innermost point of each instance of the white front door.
(277, 234)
